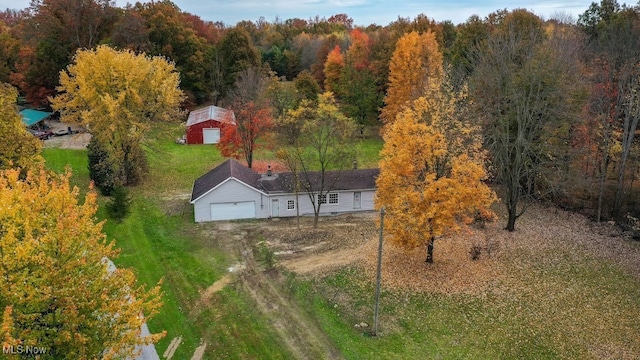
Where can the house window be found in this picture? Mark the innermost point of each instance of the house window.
(333, 199)
(291, 204)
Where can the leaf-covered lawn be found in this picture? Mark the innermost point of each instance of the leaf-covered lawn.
(558, 287)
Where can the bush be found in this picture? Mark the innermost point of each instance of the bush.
(101, 169)
(267, 256)
(119, 206)
(135, 165)
(108, 173)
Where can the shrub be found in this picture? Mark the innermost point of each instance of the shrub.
(101, 169)
(119, 206)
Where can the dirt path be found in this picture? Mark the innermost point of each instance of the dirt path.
(303, 338)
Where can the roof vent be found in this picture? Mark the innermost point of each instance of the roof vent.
(269, 173)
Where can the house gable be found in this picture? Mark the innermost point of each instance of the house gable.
(221, 173)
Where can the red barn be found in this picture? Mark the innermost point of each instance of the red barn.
(203, 125)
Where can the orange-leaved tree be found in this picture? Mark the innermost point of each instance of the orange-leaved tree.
(241, 139)
(427, 187)
(415, 60)
(332, 68)
(59, 291)
(253, 120)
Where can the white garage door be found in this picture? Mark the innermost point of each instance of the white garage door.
(211, 135)
(231, 211)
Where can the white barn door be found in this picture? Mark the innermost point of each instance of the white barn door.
(232, 211)
(211, 136)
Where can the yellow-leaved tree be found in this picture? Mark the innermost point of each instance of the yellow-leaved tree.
(117, 95)
(431, 173)
(58, 291)
(415, 60)
(18, 148)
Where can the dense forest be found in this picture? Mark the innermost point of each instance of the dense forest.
(556, 99)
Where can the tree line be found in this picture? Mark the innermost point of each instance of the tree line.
(555, 99)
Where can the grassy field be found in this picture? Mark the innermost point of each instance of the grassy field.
(558, 301)
(161, 242)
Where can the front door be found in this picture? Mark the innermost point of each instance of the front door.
(275, 208)
(356, 200)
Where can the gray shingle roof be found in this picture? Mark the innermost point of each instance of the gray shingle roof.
(228, 169)
(358, 179)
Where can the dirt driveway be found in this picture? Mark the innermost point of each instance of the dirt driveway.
(337, 242)
(78, 140)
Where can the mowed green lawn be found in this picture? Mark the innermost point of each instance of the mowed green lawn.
(165, 246)
(559, 302)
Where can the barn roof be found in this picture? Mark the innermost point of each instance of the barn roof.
(210, 113)
(356, 179)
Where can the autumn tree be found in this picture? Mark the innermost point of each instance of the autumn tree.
(613, 41)
(595, 138)
(522, 92)
(357, 89)
(306, 86)
(415, 60)
(117, 95)
(282, 96)
(9, 54)
(131, 31)
(253, 119)
(317, 68)
(332, 68)
(321, 149)
(431, 170)
(61, 293)
(471, 37)
(236, 53)
(18, 148)
(172, 36)
(51, 36)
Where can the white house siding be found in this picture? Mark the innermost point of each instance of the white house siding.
(231, 190)
(345, 203)
(368, 199)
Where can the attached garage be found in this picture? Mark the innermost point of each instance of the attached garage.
(228, 192)
(235, 210)
(203, 125)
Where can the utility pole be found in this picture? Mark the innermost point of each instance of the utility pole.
(379, 276)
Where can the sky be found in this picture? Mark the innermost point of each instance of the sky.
(363, 12)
